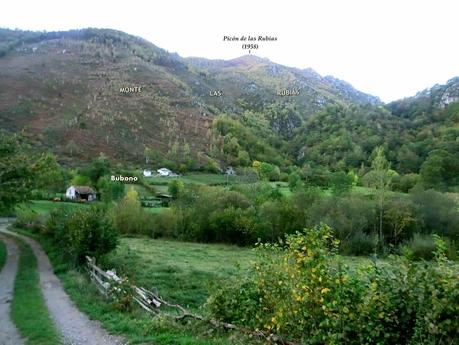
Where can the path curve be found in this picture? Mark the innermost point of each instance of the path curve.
(8, 331)
(75, 327)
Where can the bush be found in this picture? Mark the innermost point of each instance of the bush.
(175, 188)
(31, 220)
(404, 183)
(164, 225)
(130, 217)
(303, 292)
(422, 247)
(340, 182)
(419, 247)
(83, 232)
(436, 213)
(347, 215)
(359, 243)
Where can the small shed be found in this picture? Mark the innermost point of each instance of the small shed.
(79, 193)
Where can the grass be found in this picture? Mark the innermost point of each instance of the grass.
(155, 210)
(45, 206)
(183, 272)
(28, 309)
(143, 192)
(208, 179)
(2, 254)
(202, 179)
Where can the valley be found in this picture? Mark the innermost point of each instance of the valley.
(268, 204)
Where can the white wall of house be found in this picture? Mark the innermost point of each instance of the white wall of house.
(70, 193)
(164, 172)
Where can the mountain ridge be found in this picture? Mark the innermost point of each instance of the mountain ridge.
(66, 89)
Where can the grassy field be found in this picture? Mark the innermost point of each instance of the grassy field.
(203, 179)
(2, 254)
(156, 210)
(183, 272)
(143, 192)
(45, 206)
(28, 309)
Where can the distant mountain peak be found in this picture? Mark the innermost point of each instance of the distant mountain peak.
(249, 60)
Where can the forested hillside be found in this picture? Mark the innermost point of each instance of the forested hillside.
(66, 90)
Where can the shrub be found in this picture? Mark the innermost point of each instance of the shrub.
(164, 225)
(30, 220)
(405, 183)
(436, 213)
(87, 231)
(175, 188)
(359, 243)
(422, 247)
(347, 215)
(399, 220)
(340, 182)
(419, 247)
(130, 217)
(303, 292)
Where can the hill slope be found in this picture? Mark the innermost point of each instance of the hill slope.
(65, 88)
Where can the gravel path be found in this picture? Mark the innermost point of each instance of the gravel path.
(75, 327)
(9, 335)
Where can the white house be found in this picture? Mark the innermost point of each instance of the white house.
(147, 173)
(230, 171)
(164, 172)
(80, 193)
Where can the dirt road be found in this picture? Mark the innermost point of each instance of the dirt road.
(9, 335)
(74, 326)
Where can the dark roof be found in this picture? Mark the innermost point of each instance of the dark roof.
(84, 190)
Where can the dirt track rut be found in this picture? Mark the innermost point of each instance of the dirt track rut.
(9, 335)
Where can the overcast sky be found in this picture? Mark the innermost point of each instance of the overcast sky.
(389, 48)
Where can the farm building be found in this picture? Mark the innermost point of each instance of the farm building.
(147, 173)
(79, 193)
(230, 171)
(164, 172)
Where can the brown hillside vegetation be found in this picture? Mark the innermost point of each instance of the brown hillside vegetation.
(65, 88)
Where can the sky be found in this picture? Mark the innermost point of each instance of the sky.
(390, 49)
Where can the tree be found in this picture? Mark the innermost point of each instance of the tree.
(340, 182)
(16, 171)
(110, 190)
(399, 216)
(269, 172)
(49, 175)
(176, 188)
(439, 170)
(152, 157)
(80, 180)
(72, 148)
(129, 215)
(380, 178)
(99, 167)
(294, 181)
